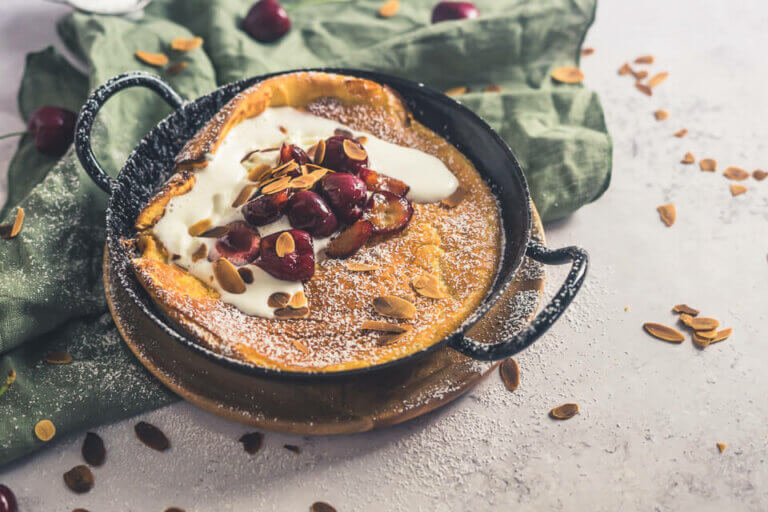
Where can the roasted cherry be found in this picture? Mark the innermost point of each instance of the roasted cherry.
(376, 181)
(267, 21)
(240, 245)
(387, 212)
(267, 208)
(7, 500)
(341, 159)
(346, 194)
(54, 129)
(290, 152)
(350, 240)
(308, 211)
(445, 11)
(298, 265)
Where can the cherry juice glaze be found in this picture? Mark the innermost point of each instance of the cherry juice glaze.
(218, 184)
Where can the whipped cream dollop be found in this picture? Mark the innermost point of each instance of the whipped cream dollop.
(218, 184)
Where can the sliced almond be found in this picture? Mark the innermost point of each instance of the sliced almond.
(688, 158)
(708, 164)
(284, 244)
(389, 8)
(199, 227)
(453, 200)
(685, 308)
(45, 430)
(510, 373)
(10, 230)
(661, 115)
(644, 59)
(737, 190)
(215, 232)
(587, 51)
(456, 91)
(258, 173)
(153, 59)
(722, 335)
(700, 341)
(564, 412)
(736, 174)
(657, 79)
(300, 346)
(372, 325)
(703, 324)
(319, 152)
(227, 276)
(644, 88)
(299, 300)
(291, 314)
(639, 75)
(175, 69)
(182, 44)
(492, 88)
(707, 334)
(759, 174)
(361, 267)
(200, 253)
(245, 194)
(626, 69)
(663, 332)
(58, 358)
(353, 151)
(394, 307)
(389, 338)
(721, 447)
(428, 285)
(681, 133)
(278, 300)
(303, 182)
(568, 75)
(668, 213)
(277, 186)
(284, 169)
(686, 319)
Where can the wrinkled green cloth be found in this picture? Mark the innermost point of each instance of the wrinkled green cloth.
(51, 294)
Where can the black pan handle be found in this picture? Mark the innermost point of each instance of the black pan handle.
(93, 104)
(547, 317)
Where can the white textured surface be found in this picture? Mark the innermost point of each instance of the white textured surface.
(651, 412)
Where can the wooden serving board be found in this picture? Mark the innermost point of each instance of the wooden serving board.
(339, 406)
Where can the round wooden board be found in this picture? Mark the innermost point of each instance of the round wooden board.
(341, 406)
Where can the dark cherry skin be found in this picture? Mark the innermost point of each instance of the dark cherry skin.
(290, 152)
(7, 500)
(349, 241)
(389, 213)
(54, 129)
(337, 160)
(346, 193)
(310, 212)
(266, 208)
(298, 265)
(376, 181)
(240, 245)
(445, 11)
(267, 21)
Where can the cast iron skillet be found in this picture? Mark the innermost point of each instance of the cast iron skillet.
(151, 164)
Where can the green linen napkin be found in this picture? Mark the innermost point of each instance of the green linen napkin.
(51, 295)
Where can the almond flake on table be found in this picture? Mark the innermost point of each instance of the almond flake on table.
(708, 165)
(737, 190)
(688, 158)
(681, 133)
(661, 115)
(668, 214)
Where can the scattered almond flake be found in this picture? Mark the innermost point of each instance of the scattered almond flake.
(292, 448)
(199, 227)
(354, 266)
(93, 450)
(373, 325)
(564, 412)
(277, 186)
(10, 230)
(492, 88)
(668, 213)
(707, 334)
(722, 335)
(701, 341)
(151, 436)
(58, 358)
(252, 442)
(353, 151)
(759, 174)
(283, 129)
(79, 479)
(663, 332)
(453, 200)
(216, 232)
(319, 152)
(703, 324)
(428, 285)
(200, 253)
(681, 133)
(258, 172)
(657, 79)
(299, 300)
(644, 88)
(644, 59)
(227, 276)
(456, 91)
(292, 313)
(182, 44)
(300, 346)
(321, 506)
(389, 8)
(686, 319)
(640, 75)
(45, 430)
(153, 59)
(661, 115)
(568, 75)
(244, 195)
(510, 373)
(736, 174)
(175, 69)
(721, 447)
(303, 182)
(394, 307)
(737, 190)
(587, 51)
(278, 300)
(389, 338)
(285, 244)
(708, 165)
(685, 308)
(626, 69)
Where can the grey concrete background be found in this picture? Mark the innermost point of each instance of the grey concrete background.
(651, 412)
